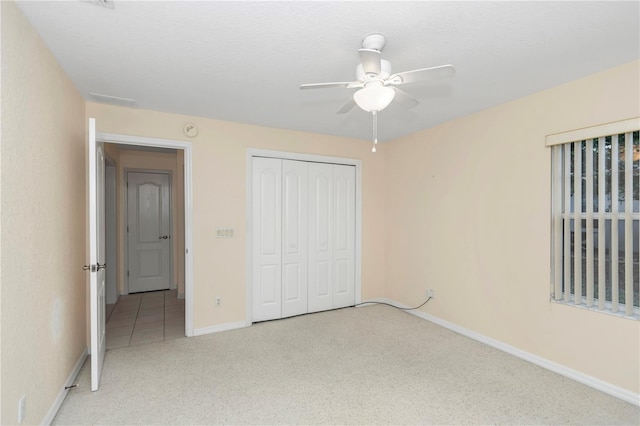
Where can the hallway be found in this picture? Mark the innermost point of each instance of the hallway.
(144, 318)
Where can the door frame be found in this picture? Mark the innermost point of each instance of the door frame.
(285, 155)
(125, 179)
(110, 204)
(188, 207)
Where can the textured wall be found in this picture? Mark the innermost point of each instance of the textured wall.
(468, 214)
(0, 215)
(43, 222)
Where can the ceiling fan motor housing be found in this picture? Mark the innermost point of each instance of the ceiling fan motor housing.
(385, 67)
(374, 41)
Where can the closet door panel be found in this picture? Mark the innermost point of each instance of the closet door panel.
(344, 235)
(269, 282)
(323, 280)
(342, 277)
(320, 236)
(294, 238)
(267, 238)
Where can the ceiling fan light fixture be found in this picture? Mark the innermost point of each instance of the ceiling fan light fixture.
(374, 97)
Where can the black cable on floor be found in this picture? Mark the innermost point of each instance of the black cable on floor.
(345, 307)
(394, 306)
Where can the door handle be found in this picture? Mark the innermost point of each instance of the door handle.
(94, 268)
(164, 237)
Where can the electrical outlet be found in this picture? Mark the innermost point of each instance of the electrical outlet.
(218, 301)
(22, 408)
(431, 293)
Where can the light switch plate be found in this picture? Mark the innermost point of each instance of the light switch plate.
(224, 233)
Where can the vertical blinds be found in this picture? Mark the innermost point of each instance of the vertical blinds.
(595, 219)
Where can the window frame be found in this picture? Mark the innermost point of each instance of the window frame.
(561, 212)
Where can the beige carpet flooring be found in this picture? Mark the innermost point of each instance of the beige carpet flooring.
(370, 365)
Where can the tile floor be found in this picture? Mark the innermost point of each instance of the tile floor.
(144, 318)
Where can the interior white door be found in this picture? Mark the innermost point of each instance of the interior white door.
(149, 226)
(294, 237)
(267, 238)
(320, 236)
(96, 254)
(344, 241)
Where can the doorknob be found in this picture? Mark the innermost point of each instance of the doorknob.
(164, 237)
(94, 268)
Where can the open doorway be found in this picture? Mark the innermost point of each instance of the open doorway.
(149, 232)
(135, 314)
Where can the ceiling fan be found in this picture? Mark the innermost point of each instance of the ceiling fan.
(376, 84)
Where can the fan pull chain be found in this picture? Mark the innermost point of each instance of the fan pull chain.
(375, 130)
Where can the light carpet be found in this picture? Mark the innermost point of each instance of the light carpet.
(370, 365)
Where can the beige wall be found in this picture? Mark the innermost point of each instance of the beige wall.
(132, 159)
(43, 222)
(0, 216)
(468, 214)
(219, 198)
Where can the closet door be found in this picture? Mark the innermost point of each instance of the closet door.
(294, 237)
(331, 236)
(303, 237)
(344, 205)
(267, 238)
(320, 237)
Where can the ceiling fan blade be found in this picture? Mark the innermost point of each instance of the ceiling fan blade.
(370, 60)
(422, 74)
(347, 106)
(347, 85)
(405, 99)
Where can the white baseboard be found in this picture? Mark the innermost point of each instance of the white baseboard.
(219, 328)
(585, 379)
(48, 419)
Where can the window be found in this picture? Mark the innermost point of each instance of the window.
(595, 219)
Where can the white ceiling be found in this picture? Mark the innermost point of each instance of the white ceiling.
(243, 61)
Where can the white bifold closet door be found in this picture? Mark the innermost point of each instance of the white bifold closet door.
(294, 238)
(331, 236)
(303, 244)
(267, 238)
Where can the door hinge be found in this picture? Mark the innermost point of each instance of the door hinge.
(127, 228)
(127, 273)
